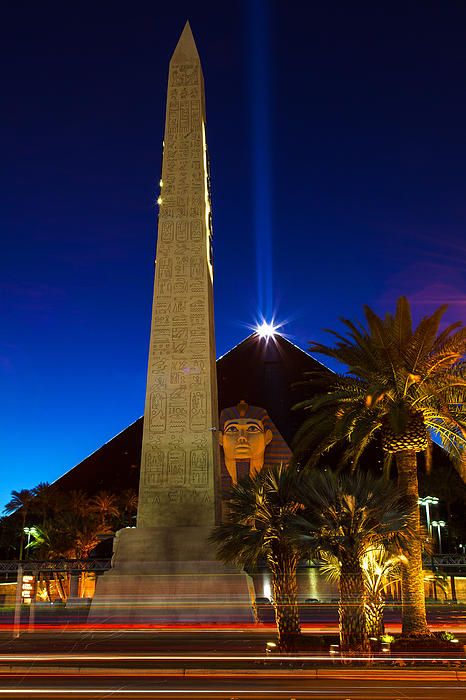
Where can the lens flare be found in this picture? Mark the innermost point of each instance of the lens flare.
(266, 330)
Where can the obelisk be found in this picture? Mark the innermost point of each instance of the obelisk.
(180, 461)
(165, 570)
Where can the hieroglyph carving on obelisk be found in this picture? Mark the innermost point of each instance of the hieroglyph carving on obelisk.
(179, 464)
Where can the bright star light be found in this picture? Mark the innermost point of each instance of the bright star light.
(266, 330)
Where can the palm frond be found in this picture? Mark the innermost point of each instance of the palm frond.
(394, 373)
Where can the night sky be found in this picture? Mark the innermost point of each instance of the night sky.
(337, 139)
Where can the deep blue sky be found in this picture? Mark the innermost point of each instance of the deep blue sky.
(345, 121)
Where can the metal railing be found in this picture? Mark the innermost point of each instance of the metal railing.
(66, 565)
(445, 561)
(430, 561)
(441, 561)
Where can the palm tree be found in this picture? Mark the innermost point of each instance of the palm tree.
(87, 536)
(53, 540)
(20, 502)
(404, 385)
(260, 520)
(128, 502)
(77, 502)
(344, 517)
(44, 500)
(106, 506)
(70, 536)
(380, 569)
(66, 535)
(8, 533)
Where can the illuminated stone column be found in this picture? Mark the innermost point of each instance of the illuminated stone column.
(180, 463)
(165, 570)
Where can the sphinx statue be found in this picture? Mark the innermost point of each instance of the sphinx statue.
(250, 441)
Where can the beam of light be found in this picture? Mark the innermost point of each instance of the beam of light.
(259, 88)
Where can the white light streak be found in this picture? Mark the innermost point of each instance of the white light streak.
(115, 692)
(266, 330)
(213, 657)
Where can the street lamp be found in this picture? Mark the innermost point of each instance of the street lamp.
(439, 524)
(427, 502)
(29, 531)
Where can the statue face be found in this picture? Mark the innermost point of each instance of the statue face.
(245, 439)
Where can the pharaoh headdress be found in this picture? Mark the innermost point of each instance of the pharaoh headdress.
(276, 452)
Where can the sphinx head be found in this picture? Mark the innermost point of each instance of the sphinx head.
(244, 439)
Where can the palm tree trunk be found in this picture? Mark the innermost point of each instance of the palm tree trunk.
(82, 584)
(21, 541)
(67, 584)
(21, 545)
(59, 586)
(353, 632)
(374, 617)
(285, 603)
(412, 577)
(47, 586)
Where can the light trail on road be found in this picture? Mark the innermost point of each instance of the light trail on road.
(231, 657)
(347, 693)
(457, 625)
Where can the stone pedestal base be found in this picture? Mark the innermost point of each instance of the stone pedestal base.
(170, 576)
(78, 603)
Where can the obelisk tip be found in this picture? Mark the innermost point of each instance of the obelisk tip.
(186, 49)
